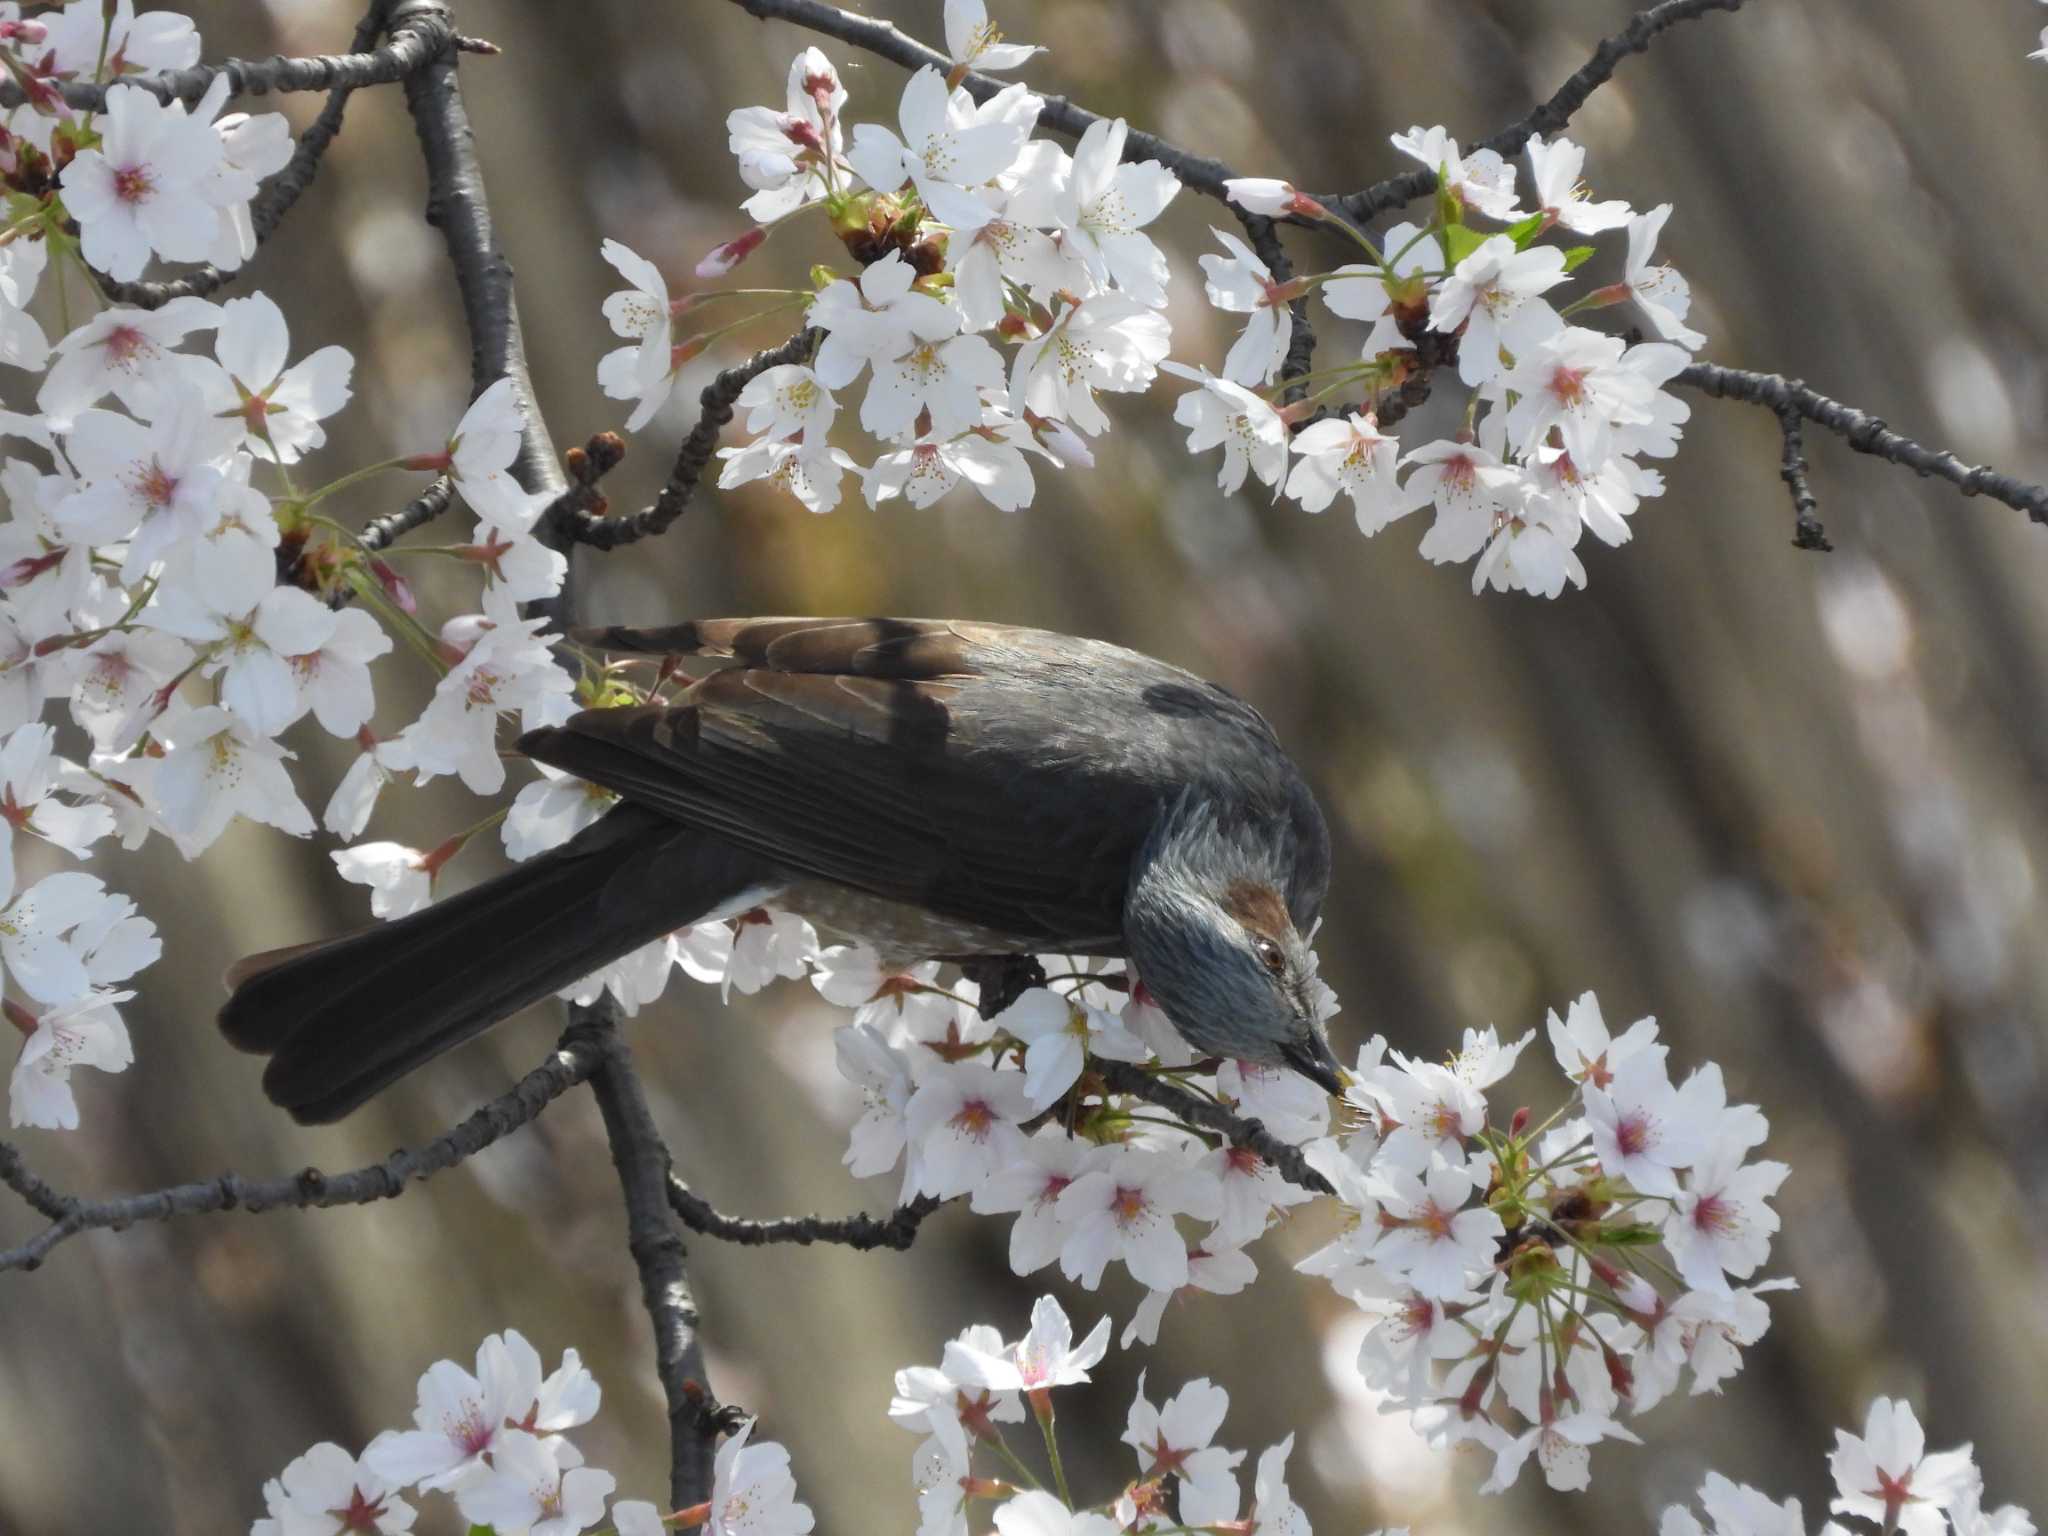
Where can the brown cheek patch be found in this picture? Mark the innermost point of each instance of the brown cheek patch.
(1259, 907)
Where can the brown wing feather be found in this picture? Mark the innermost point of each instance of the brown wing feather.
(905, 648)
(834, 749)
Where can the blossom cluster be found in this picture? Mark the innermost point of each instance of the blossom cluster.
(1184, 1478)
(166, 582)
(1532, 1283)
(976, 239)
(495, 1441)
(1884, 1478)
(1536, 1284)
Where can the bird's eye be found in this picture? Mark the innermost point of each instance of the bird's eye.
(1271, 955)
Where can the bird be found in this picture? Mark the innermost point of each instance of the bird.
(936, 788)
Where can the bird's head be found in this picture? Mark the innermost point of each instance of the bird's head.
(1207, 924)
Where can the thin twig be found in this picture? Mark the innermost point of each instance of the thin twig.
(273, 202)
(576, 1056)
(642, 1158)
(1549, 117)
(897, 1230)
(1863, 432)
(585, 527)
(1128, 1077)
(1807, 532)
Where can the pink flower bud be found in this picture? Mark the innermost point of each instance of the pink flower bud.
(732, 253)
(395, 586)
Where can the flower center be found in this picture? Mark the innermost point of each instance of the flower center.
(133, 183)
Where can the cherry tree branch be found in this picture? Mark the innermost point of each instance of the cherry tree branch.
(1791, 401)
(585, 526)
(414, 45)
(273, 202)
(1129, 1077)
(417, 513)
(695, 1418)
(456, 204)
(898, 1230)
(1548, 117)
(579, 1054)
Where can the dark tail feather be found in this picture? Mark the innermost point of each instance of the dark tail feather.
(344, 1019)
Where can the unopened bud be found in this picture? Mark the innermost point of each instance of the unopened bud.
(687, 348)
(1519, 1123)
(395, 586)
(732, 253)
(28, 568)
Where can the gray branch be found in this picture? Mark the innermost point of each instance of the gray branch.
(643, 1161)
(1549, 117)
(577, 1056)
(411, 47)
(583, 526)
(898, 1230)
(1791, 401)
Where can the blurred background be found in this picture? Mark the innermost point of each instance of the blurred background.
(1792, 804)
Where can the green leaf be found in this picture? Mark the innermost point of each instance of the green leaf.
(1577, 257)
(1461, 240)
(1525, 231)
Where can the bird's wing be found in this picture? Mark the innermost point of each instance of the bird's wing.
(922, 761)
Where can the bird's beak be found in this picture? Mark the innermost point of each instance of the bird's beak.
(1311, 1056)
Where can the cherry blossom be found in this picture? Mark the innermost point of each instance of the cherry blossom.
(1178, 1437)
(401, 879)
(1561, 196)
(327, 1491)
(1243, 284)
(808, 468)
(1123, 1210)
(529, 1485)
(643, 371)
(1887, 1473)
(1349, 454)
(1482, 181)
(788, 399)
(1251, 432)
(973, 41)
(876, 319)
(155, 485)
(753, 1492)
(1107, 342)
(964, 1120)
(220, 767)
(1045, 1357)
(125, 352)
(1431, 1239)
(279, 408)
(140, 192)
(1660, 292)
(85, 1031)
(1105, 207)
(1493, 296)
(940, 154)
(942, 378)
(792, 157)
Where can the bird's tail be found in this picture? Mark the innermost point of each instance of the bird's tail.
(343, 1019)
